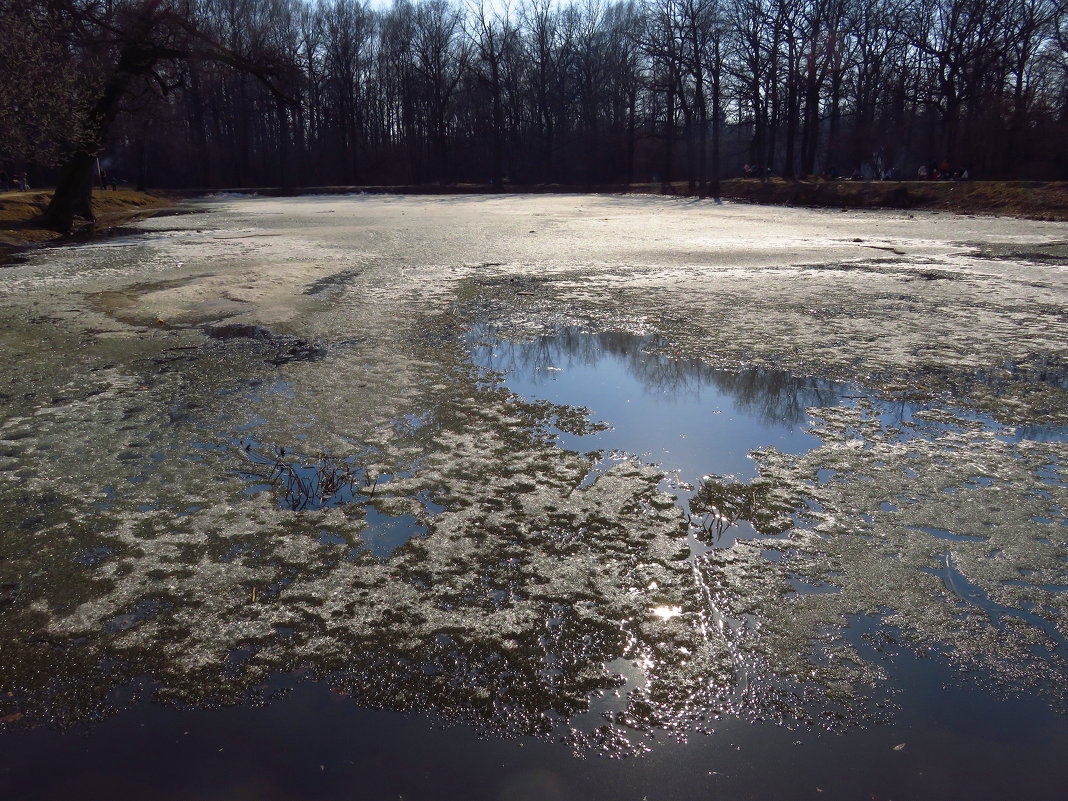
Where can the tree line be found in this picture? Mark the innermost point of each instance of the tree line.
(215, 93)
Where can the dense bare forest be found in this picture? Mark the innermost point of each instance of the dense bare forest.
(215, 93)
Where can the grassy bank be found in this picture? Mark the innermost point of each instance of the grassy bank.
(20, 214)
(1031, 199)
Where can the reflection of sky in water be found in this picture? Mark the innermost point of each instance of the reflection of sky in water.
(680, 414)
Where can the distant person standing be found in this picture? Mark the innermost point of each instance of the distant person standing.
(921, 172)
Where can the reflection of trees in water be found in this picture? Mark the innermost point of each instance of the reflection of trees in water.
(719, 504)
(770, 395)
(1032, 369)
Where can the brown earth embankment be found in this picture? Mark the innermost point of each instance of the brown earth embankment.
(1043, 200)
(20, 215)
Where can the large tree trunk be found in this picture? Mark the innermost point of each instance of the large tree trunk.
(73, 195)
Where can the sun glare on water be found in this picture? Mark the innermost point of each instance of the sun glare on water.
(667, 612)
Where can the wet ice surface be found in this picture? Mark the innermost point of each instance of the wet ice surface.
(385, 500)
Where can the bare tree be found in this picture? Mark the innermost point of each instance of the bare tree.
(441, 52)
(43, 101)
(284, 91)
(494, 40)
(133, 42)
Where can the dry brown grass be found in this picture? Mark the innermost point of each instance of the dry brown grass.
(20, 213)
(1042, 200)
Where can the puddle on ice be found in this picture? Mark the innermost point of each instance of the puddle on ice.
(385, 533)
(686, 417)
(304, 483)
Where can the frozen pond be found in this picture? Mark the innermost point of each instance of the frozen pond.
(536, 497)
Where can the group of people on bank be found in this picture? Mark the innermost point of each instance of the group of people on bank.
(16, 181)
(932, 171)
(941, 171)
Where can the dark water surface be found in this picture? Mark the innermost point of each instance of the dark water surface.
(312, 743)
(943, 736)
